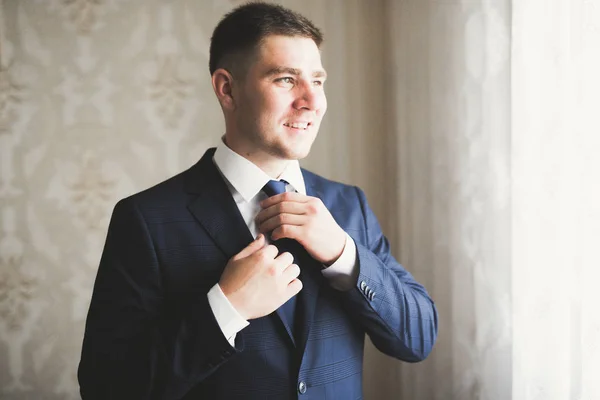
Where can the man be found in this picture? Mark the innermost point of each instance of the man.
(246, 277)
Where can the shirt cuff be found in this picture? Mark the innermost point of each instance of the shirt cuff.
(343, 273)
(229, 320)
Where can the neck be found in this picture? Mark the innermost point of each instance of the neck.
(270, 164)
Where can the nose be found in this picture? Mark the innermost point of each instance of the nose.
(310, 97)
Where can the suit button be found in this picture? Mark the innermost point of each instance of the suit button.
(371, 296)
(302, 387)
(363, 285)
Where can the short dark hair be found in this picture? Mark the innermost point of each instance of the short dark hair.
(242, 30)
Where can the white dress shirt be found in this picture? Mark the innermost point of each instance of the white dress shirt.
(245, 182)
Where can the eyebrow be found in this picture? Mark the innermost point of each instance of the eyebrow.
(294, 71)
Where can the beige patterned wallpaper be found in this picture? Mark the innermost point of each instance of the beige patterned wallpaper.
(102, 98)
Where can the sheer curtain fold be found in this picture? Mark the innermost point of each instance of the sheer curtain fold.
(497, 132)
(454, 140)
(555, 63)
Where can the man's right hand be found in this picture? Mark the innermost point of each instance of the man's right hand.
(257, 281)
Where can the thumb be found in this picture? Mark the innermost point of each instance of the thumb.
(254, 246)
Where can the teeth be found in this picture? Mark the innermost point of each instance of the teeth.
(298, 125)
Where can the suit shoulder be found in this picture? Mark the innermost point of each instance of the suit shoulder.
(168, 193)
(175, 192)
(328, 186)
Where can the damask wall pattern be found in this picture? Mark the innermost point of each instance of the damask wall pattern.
(100, 99)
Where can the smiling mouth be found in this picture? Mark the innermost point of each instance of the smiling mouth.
(298, 125)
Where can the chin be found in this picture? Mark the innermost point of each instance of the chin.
(291, 151)
(296, 153)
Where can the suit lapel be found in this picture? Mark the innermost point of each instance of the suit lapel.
(214, 207)
(216, 211)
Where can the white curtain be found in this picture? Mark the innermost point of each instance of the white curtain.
(556, 199)
(498, 132)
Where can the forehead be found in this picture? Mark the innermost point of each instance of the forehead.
(289, 52)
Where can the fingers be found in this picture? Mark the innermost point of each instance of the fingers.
(287, 196)
(294, 287)
(282, 262)
(285, 259)
(269, 252)
(281, 208)
(291, 272)
(252, 248)
(288, 231)
(281, 219)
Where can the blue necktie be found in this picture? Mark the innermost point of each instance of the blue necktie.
(273, 188)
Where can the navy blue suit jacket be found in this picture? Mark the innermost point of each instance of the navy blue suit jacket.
(151, 334)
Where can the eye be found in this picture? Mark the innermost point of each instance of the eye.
(318, 83)
(288, 80)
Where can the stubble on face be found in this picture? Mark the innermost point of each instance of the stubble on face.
(280, 91)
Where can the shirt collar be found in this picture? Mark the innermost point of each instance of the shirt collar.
(247, 178)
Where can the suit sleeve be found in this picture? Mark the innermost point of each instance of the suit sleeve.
(127, 351)
(393, 308)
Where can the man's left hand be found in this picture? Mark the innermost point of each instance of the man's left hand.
(305, 219)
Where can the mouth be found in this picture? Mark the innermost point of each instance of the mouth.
(301, 126)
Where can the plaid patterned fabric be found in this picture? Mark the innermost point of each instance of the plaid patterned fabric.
(150, 333)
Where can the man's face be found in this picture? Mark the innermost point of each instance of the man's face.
(281, 102)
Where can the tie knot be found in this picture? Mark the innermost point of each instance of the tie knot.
(274, 187)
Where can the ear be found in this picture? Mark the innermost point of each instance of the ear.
(222, 82)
